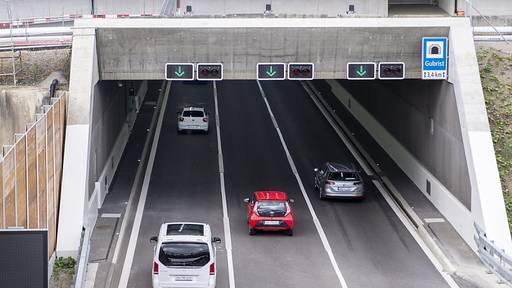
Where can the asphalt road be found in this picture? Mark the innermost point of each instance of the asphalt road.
(370, 244)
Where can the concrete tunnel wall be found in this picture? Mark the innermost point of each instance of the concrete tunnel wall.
(110, 111)
(422, 116)
(241, 48)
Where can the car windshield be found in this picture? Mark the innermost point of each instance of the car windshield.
(343, 176)
(193, 114)
(184, 254)
(276, 206)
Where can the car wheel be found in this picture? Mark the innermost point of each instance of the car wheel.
(252, 231)
(180, 131)
(289, 232)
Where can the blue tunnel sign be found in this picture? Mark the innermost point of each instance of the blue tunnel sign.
(434, 58)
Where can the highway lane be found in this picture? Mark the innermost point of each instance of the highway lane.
(371, 245)
(184, 182)
(254, 159)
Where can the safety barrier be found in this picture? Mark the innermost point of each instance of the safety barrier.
(31, 171)
(493, 257)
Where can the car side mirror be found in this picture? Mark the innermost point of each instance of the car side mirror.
(246, 200)
(291, 201)
(153, 239)
(216, 240)
(315, 170)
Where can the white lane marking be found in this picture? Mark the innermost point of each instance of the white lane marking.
(90, 277)
(394, 206)
(225, 218)
(449, 280)
(111, 215)
(130, 252)
(127, 214)
(317, 223)
(434, 220)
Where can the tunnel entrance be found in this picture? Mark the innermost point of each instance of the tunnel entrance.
(419, 8)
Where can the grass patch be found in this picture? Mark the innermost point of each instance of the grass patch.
(63, 272)
(496, 76)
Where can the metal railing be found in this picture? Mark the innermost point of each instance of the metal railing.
(469, 8)
(493, 257)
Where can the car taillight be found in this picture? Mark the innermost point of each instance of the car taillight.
(181, 119)
(212, 268)
(358, 183)
(329, 183)
(155, 268)
(205, 119)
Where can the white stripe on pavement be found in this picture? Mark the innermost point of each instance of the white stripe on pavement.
(225, 218)
(130, 252)
(317, 223)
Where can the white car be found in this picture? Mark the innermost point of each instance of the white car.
(184, 256)
(192, 118)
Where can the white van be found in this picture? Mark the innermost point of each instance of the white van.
(184, 256)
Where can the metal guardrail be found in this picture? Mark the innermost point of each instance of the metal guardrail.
(493, 257)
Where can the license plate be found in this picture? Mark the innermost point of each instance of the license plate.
(271, 222)
(183, 278)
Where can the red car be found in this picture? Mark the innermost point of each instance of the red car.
(269, 211)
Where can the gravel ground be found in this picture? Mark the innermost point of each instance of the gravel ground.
(34, 66)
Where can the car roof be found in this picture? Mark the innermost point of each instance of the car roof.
(270, 195)
(337, 167)
(191, 108)
(202, 235)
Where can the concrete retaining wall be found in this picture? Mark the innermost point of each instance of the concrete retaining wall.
(17, 108)
(422, 116)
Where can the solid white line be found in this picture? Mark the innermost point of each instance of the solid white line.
(133, 190)
(111, 215)
(394, 206)
(449, 280)
(434, 220)
(130, 252)
(225, 218)
(318, 226)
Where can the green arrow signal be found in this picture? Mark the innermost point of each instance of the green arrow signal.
(361, 72)
(271, 72)
(180, 72)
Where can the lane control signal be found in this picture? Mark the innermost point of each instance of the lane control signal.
(391, 70)
(209, 71)
(270, 71)
(301, 71)
(179, 71)
(361, 70)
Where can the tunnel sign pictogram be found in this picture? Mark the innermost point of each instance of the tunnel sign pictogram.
(270, 71)
(179, 71)
(301, 71)
(434, 58)
(391, 70)
(209, 71)
(361, 70)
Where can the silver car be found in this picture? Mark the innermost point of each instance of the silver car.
(338, 181)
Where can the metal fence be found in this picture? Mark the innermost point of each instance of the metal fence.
(30, 174)
(493, 257)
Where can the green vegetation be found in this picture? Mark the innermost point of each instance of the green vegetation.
(496, 75)
(63, 272)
